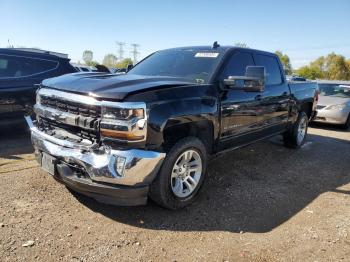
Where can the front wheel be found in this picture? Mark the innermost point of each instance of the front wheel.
(181, 175)
(296, 136)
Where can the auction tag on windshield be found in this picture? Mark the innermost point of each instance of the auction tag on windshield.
(207, 54)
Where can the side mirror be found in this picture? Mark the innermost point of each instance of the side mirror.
(252, 81)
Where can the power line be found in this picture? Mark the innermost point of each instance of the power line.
(121, 49)
(135, 52)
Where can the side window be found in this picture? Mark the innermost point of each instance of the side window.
(8, 66)
(18, 66)
(273, 72)
(237, 64)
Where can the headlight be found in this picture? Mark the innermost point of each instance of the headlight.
(123, 123)
(38, 98)
(122, 113)
(336, 107)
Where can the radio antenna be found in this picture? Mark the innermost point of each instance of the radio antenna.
(216, 45)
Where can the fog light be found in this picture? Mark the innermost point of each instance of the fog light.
(119, 165)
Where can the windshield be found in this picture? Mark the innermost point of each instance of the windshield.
(334, 90)
(194, 65)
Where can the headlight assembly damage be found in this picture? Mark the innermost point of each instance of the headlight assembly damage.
(121, 121)
(128, 124)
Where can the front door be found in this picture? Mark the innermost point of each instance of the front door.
(240, 110)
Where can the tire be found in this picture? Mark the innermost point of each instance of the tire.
(166, 189)
(346, 126)
(296, 136)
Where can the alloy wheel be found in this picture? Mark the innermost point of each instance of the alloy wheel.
(186, 173)
(302, 130)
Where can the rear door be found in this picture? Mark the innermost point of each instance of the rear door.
(18, 71)
(18, 77)
(276, 98)
(240, 110)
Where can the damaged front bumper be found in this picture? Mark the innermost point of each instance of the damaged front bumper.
(119, 177)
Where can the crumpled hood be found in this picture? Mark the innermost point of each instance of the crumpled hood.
(110, 86)
(332, 100)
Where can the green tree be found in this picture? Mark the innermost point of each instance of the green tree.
(285, 62)
(110, 60)
(124, 63)
(309, 72)
(92, 63)
(319, 64)
(88, 55)
(336, 67)
(332, 66)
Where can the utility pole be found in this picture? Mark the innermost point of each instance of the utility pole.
(135, 52)
(9, 44)
(121, 49)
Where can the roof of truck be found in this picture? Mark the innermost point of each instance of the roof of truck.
(220, 49)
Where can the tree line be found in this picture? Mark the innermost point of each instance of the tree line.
(109, 60)
(331, 66)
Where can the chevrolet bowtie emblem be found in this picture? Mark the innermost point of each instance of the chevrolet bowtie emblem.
(58, 116)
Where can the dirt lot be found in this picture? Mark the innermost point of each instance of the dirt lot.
(261, 203)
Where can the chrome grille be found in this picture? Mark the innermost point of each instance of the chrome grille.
(67, 118)
(71, 107)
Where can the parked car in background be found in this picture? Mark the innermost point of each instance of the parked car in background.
(334, 103)
(102, 68)
(83, 68)
(295, 78)
(21, 70)
(149, 132)
(120, 70)
(96, 68)
(113, 70)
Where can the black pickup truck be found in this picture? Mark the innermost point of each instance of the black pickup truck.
(150, 132)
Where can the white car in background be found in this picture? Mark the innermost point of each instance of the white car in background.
(83, 68)
(334, 103)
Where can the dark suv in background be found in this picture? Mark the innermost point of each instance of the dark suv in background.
(21, 71)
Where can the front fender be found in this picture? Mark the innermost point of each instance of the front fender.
(169, 107)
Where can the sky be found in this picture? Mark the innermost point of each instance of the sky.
(304, 30)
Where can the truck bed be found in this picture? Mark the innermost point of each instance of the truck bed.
(303, 91)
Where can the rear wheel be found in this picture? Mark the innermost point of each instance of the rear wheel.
(296, 136)
(181, 175)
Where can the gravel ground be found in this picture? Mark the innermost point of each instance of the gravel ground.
(261, 203)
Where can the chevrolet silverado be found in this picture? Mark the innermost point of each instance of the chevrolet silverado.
(149, 133)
